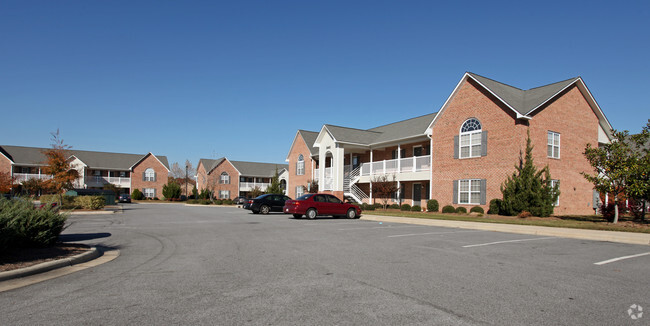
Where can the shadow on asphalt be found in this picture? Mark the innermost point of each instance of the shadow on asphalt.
(82, 236)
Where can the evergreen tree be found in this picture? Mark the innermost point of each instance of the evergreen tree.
(171, 190)
(528, 189)
(274, 187)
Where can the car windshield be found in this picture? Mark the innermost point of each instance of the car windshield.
(304, 197)
(262, 196)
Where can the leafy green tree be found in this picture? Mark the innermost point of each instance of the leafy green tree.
(529, 189)
(195, 192)
(171, 190)
(638, 185)
(137, 194)
(255, 192)
(274, 187)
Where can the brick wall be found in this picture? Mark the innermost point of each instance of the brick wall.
(5, 164)
(299, 147)
(137, 181)
(215, 177)
(202, 177)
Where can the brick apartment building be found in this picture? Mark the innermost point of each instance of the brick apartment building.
(146, 172)
(229, 179)
(462, 154)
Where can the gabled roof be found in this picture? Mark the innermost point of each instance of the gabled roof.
(310, 138)
(162, 161)
(351, 135)
(522, 101)
(255, 169)
(33, 156)
(209, 164)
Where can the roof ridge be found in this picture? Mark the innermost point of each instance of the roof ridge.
(496, 81)
(367, 130)
(258, 162)
(561, 81)
(392, 123)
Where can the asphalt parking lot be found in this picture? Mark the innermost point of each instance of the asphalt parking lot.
(225, 266)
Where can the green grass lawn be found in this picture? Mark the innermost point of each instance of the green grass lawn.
(590, 222)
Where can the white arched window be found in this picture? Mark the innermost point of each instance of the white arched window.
(471, 138)
(149, 175)
(300, 165)
(225, 178)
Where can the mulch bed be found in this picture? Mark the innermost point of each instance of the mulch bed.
(25, 257)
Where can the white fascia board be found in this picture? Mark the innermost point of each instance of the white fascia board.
(444, 106)
(550, 98)
(145, 156)
(226, 159)
(10, 160)
(519, 115)
(351, 143)
(399, 139)
(82, 162)
(320, 136)
(599, 112)
(292, 143)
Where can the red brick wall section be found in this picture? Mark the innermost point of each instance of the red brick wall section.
(5, 164)
(299, 147)
(202, 177)
(215, 176)
(570, 115)
(161, 175)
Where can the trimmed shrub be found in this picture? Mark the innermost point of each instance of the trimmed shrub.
(205, 202)
(495, 206)
(378, 205)
(448, 209)
(218, 202)
(137, 194)
(524, 214)
(228, 202)
(416, 208)
(90, 202)
(22, 225)
(461, 210)
(405, 207)
(156, 198)
(367, 207)
(477, 209)
(171, 190)
(432, 205)
(394, 206)
(68, 201)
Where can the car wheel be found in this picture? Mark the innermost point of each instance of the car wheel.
(351, 213)
(311, 213)
(265, 209)
(297, 215)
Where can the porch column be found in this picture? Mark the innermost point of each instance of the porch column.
(430, 167)
(338, 167)
(399, 157)
(322, 163)
(371, 163)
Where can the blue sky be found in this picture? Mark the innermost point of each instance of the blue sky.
(205, 79)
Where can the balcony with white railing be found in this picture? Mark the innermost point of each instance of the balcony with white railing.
(21, 177)
(248, 186)
(98, 181)
(409, 168)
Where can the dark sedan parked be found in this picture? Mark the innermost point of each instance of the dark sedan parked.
(312, 205)
(268, 203)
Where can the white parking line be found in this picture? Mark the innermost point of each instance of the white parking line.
(620, 258)
(385, 227)
(507, 241)
(431, 233)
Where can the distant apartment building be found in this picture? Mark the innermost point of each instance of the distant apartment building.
(462, 154)
(229, 179)
(146, 172)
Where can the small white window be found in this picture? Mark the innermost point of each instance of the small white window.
(225, 178)
(300, 166)
(469, 191)
(149, 192)
(470, 139)
(553, 148)
(553, 184)
(299, 191)
(224, 194)
(149, 175)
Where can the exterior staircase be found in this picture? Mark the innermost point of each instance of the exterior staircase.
(350, 189)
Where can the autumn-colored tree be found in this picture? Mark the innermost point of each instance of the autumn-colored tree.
(7, 182)
(311, 187)
(57, 165)
(255, 192)
(383, 188)
(35, 186)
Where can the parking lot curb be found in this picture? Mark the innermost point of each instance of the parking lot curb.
(596, 235)
(51, 265)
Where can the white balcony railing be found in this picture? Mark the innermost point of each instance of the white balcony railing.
(246, 186)
(20, 177)
(95, 180)
(408, 164)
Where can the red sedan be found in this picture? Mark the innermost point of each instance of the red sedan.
(312, 205)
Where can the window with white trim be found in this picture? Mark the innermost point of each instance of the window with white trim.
(553, 148)
(224, 194)
(149, 175)
(469, 191)
(470, 138)
(299, 191)
(149, 192)
(224, 179)
(553, 184)
(300, 165)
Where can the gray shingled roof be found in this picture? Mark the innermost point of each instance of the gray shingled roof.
(310, 137)
(351, 135)
(398, 130)
(254, 169)
(95, 160)
(523, 101)
(210, 164)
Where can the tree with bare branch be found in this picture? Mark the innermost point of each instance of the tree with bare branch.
(57, 165)
(383, 188)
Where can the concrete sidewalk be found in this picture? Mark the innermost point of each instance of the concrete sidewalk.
(596, 235)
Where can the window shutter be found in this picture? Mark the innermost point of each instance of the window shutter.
(483, 191)
(143, 177)
(155, 176)
(154, 192)
(455, 200)
(296, 168)
(455, 147)
(484, 143)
